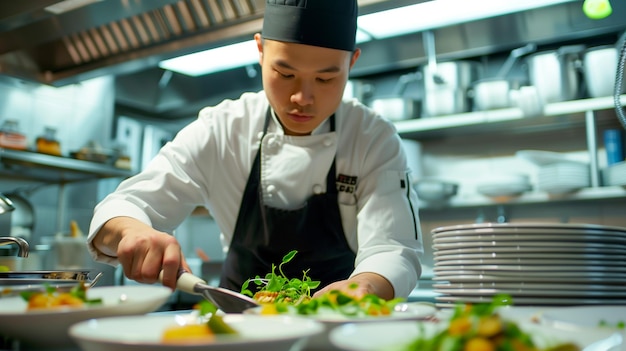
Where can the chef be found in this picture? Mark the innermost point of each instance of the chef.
(292, 167)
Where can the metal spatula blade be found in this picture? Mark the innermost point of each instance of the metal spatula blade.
(226, 300)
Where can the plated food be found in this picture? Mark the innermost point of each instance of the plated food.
(145, 333)
(276, 287)
(51, 324)
(53, 298)
(470, 327)
(281, 295)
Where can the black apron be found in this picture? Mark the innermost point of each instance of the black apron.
(263, 235)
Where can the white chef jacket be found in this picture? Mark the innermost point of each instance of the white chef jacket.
(209, 160)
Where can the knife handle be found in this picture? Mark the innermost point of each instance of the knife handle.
(186, 281)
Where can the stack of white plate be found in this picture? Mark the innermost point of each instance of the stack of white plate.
(616, 174)
(535, 263)
(557, 173)
(563, 177)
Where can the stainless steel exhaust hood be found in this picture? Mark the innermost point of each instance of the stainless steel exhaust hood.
(114, 36)
(41, 43)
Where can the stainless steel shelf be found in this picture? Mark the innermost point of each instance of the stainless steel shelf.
(503, 115)
(475, 200)
(27, 165)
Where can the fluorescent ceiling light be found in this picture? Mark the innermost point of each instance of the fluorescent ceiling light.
(214, 60)
(379, 25)
(68, 5)
(440, 13)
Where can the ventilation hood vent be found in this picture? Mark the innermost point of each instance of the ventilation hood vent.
(58, 42)
(41, 42)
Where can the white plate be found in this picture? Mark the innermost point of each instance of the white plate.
(143, 333)
(541, 292)
(586, 316)
(590, 238)
(530, 269)
(522, 274)
(573, 232)
(51, 325)
(463, 277)
(412, 311)
(525, 285)
(533, 250)
(543, 158)
(536, 301)
(527, 261)
(393, 335)
(528, 244)
(497, 190)
(560, 233)
(530, 256)
(487, 226)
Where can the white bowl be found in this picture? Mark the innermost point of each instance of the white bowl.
(144, 333)
(48, 328)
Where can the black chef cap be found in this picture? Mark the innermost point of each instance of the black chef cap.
(325, 23)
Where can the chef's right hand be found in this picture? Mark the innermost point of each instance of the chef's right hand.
(141, 250)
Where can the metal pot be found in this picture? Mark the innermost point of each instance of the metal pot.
(599, 66)
(555, 73)
(491, 94)
(494, 93)
(397, 108)
(454, 75)
(445, 101)
(448, 94)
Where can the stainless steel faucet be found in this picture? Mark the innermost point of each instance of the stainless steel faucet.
(6, 205)
(22, 244)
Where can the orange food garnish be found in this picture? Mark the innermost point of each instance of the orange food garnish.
(188, 334)
(45, 300)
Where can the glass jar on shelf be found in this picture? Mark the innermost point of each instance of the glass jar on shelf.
(47, 142)
(11, 137)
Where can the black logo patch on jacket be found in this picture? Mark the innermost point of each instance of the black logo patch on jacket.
(346, 183)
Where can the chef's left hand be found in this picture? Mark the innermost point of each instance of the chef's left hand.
(367, 283)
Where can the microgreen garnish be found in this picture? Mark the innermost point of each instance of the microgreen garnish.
(292, 290)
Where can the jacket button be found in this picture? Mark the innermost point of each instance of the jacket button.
(328, 142)
(271, 189)
(317, 189)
